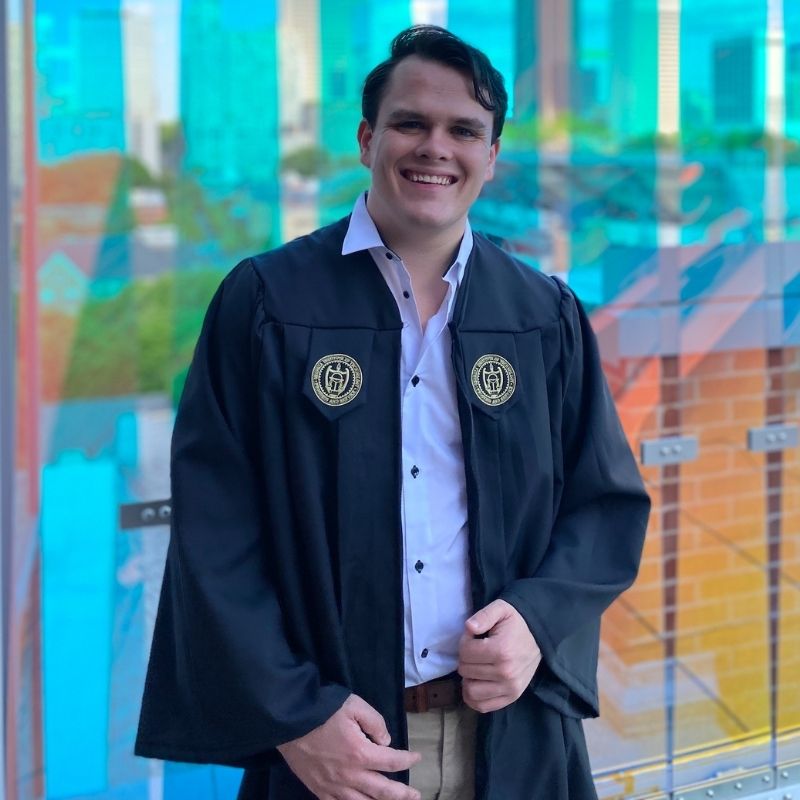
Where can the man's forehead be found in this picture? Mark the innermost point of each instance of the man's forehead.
(417, 82)
(417, 72)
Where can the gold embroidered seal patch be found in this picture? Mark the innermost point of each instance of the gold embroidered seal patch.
(336, 379)
(493, 379)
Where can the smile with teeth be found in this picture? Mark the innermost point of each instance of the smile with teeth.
(421, 177)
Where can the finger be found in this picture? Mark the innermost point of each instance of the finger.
(479, 691)
(348, 793)
(389, 759)
(484, 620)
(369, 720)
(378, 786)
(495, 704)
(477, 651)
(479, 672)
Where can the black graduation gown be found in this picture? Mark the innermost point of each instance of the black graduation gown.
(282, 592)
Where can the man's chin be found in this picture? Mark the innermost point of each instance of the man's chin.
(426, 225)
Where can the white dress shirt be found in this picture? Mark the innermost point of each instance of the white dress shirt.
(436, 585)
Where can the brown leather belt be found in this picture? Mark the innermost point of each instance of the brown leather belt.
(438, 693)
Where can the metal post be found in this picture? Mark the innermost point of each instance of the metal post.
(6, 381)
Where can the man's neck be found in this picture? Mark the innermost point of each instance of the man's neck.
(426, 255)
(428, 258)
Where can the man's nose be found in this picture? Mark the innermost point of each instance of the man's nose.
(435, 144)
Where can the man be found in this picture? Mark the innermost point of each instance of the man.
(365, 578)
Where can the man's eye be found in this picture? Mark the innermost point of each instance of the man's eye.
(466, 133)
(409, 124)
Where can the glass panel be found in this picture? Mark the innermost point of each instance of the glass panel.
(137, 195)
(355, 36)
(784, 555)
(628, 742)
(613, 264)
(651, 159)
(785, 563)
(722, 685)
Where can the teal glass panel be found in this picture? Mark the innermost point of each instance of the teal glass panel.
(228, 193)
(723, 106)
(79, 61)
(77, 608)
(355, 37)
(791, 153)
(491, 28)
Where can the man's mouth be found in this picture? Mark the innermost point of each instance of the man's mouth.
(423, 177)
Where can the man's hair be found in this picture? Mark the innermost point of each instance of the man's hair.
(437, 44)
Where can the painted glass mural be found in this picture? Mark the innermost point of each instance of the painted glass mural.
(651, 158)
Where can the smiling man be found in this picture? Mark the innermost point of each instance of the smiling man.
(401, 495)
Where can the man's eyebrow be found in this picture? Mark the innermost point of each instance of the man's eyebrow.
(470, 122)
(465, 122)
(404, 113)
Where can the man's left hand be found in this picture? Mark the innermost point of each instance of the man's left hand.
(497, 668)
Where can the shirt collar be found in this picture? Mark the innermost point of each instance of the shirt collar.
(363, 235)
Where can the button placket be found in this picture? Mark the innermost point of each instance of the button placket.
(420, 401)
(420, 356)
(422, 595)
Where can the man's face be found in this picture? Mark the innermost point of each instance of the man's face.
(429, 153)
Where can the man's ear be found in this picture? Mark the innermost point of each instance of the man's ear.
(494, 149)
(364, 139)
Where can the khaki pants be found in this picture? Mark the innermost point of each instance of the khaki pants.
(446, 739)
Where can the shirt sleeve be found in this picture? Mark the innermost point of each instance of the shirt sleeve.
(223, 685)
(598, 533)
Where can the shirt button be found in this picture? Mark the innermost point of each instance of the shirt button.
(389, 255)
(424, 653)
(414, 471)
(419, 566)
(406, 295)
(415, 380)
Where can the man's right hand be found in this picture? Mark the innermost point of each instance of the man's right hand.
(336, 761)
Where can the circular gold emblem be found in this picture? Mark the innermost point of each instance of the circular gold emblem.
(493, 379)
(336, 379)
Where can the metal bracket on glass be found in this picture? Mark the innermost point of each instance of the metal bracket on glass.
(145, 515)
(789, 774)
(772, 437)
(744, 784)
(670, 450)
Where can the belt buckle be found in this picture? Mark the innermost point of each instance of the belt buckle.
(421, 699)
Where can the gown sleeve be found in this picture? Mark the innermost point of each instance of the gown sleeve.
(598, 533)
(223, 685)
